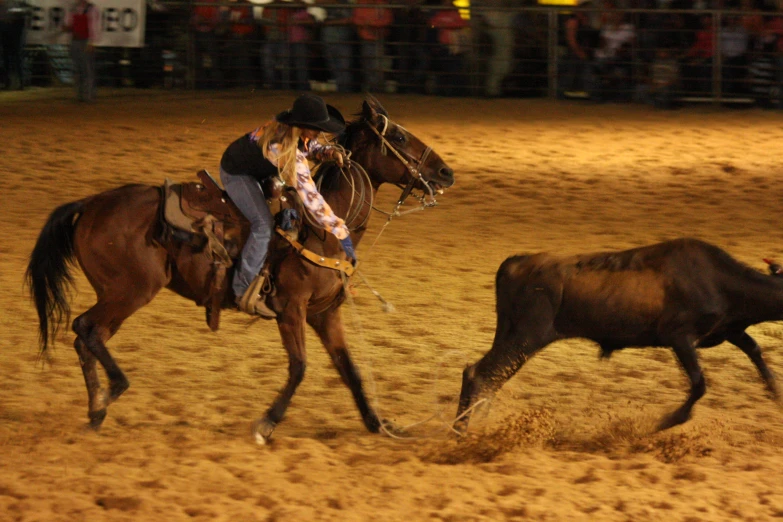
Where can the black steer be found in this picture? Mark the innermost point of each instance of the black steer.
(684, 293)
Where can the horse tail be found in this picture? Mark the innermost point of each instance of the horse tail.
(47, 274)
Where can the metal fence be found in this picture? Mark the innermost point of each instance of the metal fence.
(654, 55)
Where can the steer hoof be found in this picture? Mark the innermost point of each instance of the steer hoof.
(674, 419)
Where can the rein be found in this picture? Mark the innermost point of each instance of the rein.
(414, 167)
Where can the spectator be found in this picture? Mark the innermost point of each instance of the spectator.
(412, 42)
(577, 73)
(664, 79)
(614, 54)
(754, 22)
(276, 53)
(500, 28)
(241, 34)
(762, 67)
(531, 39)
(734, 40)
(337, 34)
(697, 69)
(299, 38)
(13, 15)
(372, 26)
(453, 46)
(773, 30)
(204, 22)
(83, 22)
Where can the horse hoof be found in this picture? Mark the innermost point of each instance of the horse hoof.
(262, 431)
(96, 418)
(117, 389)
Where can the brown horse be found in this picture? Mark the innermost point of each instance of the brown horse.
(114, 236)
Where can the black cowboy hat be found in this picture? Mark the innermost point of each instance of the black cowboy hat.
(311, 112)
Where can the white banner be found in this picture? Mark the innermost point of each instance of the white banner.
(122, 22)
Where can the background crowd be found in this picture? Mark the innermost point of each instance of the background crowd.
(656, 51)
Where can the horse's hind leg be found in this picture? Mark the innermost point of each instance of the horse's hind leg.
(96, 396)
(747, 344)
(93, 329)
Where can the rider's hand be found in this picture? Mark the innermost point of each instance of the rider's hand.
(337, 156)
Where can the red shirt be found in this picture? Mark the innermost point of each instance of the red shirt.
(372, 22)
(702, 47)
(82, 21)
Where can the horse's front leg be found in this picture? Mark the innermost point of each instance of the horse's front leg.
(291, 325)
(329, 327)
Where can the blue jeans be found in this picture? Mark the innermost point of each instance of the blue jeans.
(246, 193)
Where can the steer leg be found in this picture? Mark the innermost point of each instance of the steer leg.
(516, 340)
(747, 344)
(685, 351)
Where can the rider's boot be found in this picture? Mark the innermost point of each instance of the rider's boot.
(253, 302)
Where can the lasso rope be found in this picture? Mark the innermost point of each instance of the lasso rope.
(395, 433)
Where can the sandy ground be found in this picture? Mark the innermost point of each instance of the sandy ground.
(569, 438)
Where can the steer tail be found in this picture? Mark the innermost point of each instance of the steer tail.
(47, 273)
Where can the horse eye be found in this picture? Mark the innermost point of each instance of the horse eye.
(399, 138)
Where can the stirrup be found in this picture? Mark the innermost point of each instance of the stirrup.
(253, 301)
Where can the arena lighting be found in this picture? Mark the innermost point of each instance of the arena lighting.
(464, 8)
(559, 2)
(319, 13)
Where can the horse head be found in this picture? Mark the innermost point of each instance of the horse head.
(392, 154)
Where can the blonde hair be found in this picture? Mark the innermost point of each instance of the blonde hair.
(288, 138)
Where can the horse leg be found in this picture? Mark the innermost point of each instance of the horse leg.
(747, 344)
(93, 329)
(96, 396)
(685, 350)
(329, 327)
(291, 325)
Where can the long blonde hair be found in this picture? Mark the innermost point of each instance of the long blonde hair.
(288, 138)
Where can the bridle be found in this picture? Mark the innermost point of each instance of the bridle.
(412, 164)
(414, 168)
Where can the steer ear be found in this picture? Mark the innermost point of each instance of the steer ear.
(774, 268)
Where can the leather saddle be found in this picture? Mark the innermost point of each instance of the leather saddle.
(202, 214)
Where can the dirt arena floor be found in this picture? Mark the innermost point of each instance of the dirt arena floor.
(569, 438)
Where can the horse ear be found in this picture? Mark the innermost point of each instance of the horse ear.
(371, 108)
(368, 112)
